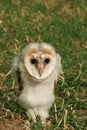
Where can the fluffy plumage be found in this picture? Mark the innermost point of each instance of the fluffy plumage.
(37, 68)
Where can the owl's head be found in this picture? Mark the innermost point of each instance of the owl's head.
(39, 60)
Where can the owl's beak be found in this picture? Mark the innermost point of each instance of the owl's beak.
(40, 70)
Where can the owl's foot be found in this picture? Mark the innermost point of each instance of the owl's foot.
(46, 124)
(31, 114)
(43, 115)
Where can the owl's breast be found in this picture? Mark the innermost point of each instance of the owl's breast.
(39, 96)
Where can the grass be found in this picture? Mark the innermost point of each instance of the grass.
(63, 24)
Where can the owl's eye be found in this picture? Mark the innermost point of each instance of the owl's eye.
(47, 61)
(33, 61)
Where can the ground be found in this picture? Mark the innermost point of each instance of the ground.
(63, 24)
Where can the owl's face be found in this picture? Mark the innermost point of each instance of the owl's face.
(39, 60)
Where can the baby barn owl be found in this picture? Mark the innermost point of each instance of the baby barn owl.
(37, 69)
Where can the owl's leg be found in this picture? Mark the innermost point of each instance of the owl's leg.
(43, 115)
(31, 114)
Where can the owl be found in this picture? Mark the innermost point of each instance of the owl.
(37, 68)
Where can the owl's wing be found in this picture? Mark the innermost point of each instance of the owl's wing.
(58, 70)
(19, 79)
(58, 65)
(55, 84)
(16, 69)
